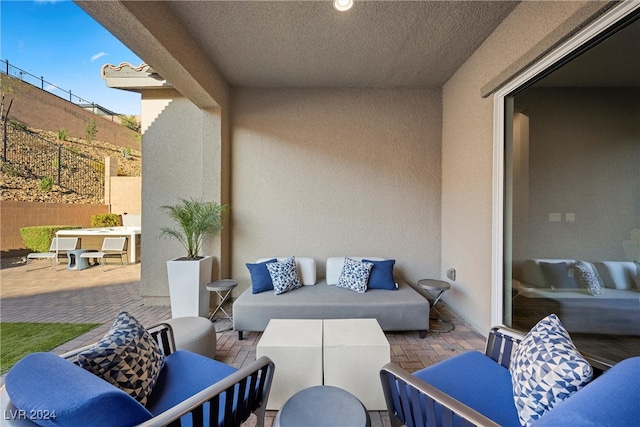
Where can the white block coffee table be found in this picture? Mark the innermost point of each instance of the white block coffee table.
(295, 346)
(354, 352)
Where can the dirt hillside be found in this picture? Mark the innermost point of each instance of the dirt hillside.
(28, 190)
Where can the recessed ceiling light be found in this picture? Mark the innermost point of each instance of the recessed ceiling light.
(342, 5)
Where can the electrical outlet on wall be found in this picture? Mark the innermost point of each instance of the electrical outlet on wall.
(451, 274)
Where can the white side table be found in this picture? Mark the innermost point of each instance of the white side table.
(354, 352)
(295, 346)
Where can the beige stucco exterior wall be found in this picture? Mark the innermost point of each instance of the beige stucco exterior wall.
(467, 154)
(182, 158)
(323, 173)
(126, 195)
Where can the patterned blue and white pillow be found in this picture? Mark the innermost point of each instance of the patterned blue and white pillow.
(354, 275)
(284, 275)
(127, 357)
(589, 278)
(546, 368)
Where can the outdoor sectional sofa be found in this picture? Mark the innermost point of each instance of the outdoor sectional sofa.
(401, 309)
(554, 286)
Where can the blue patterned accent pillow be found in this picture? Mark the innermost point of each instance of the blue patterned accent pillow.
(546, 368)
(588, 278)
(284, 275)
(354, 275)
(127, 357)
(260, 277)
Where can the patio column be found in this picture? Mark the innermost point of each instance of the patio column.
(184, 155)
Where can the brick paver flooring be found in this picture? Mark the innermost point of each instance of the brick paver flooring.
(94, 296)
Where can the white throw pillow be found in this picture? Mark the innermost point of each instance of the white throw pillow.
(284, 275)
(355, 275)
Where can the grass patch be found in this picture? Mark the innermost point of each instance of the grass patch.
(20, 339)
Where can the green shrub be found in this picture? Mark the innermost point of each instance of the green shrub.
(46, 184)
(38, 238)
(106, 220)
(126, 152)
(63, 134)
(90, 130)
(17, 124)
(9, 169)
(130, 122)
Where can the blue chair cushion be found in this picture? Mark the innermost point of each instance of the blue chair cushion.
(381, 276)
(46, 384)
(477, 381)
(609, 400)
(184, 375)
(260, 277)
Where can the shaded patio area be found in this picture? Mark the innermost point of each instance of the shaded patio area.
(44, 295)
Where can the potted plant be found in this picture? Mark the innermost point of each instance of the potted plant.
(188, 275)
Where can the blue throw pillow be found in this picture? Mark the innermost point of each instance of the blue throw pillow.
(260, 277)
(381, 276)
(557, 275)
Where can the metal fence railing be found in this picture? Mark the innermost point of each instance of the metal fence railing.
(40, 82)
(29, 155)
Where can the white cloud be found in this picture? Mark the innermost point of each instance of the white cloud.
(98, 56)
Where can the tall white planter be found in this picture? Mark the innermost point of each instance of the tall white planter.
(187, 286)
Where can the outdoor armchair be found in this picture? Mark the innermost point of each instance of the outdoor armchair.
(58, 244)
(111, 246)
(477, 389)
(190, 390)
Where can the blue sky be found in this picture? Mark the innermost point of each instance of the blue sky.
(62, 43)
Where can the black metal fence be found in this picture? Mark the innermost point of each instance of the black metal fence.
(29, 155)
(40, 82)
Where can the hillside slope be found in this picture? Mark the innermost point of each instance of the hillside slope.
(13, 187)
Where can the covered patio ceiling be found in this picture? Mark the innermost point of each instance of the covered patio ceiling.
(302, 44)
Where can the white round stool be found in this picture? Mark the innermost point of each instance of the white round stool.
(195, 334)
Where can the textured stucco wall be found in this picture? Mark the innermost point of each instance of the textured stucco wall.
(467, 147)
(181, 159)
(323, 173)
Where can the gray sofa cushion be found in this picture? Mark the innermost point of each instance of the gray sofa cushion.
(402, 310)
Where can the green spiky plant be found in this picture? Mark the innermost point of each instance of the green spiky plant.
(195, 219)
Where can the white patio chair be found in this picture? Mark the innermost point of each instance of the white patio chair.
(57, 244)
(110, 246)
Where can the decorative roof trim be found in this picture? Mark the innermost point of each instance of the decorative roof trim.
(130, 77)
